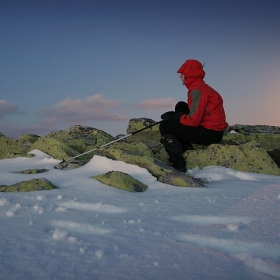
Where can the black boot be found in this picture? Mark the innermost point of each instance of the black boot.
(175, 152)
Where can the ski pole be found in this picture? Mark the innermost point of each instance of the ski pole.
(114, 141)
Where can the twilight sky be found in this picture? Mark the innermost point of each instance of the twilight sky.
(101, 63)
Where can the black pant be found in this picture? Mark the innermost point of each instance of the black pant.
(189, 134)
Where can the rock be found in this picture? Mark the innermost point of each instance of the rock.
(28, 139)
(245, 148)
(180, 179)
(269, 142)
(81, 138)
(54, 148)
(11, 148)
(248, 157)
(121, 181)
(137, 124)
(32, 171)
(252, 149)
(72, 142)
(149, 136)
(254, 129)
(71, 164)
(28, 186)
(156, 167)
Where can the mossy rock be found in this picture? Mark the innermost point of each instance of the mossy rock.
(259, 158)
(32, 171)
(28, 139)
(180, 180)
(269, 142)
(136, 148)
(121, 181)
(156, 167)
(148, 136)
(72, 164)
(140, 123)
(28, 186)
(247, 157)
(11, 148)
(254, 129)
(81, 138)
(54, 148)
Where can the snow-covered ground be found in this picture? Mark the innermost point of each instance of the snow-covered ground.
(86, 230)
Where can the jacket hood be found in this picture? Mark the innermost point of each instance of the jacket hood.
(192, 69)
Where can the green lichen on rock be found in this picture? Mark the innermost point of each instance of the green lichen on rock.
(156, 167)
(32, 171)
(268, 142)
(81, 138)
(259, 159)
(11, 148)
(74, 141)
(152, 165)
(39, 184)
(135, 148)
(246, 148)
(180, 180)
(28, 139)
(140, 123)
(72, 164)
(54, 148)
(148, 136)
(121, 181)
(254, 129)
(248, 157)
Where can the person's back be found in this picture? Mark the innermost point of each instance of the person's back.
(205, 103)
(214, 116)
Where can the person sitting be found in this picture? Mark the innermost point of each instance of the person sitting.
(202, 120)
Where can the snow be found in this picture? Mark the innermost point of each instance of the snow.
(87, 230)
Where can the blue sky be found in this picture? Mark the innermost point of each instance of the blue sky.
(101, 63)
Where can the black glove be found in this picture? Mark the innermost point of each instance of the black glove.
(167, 115)
(177, 116)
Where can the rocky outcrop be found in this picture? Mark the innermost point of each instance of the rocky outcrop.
(248, 157)
(121, 181)
(11, 148)
(245, 148)
(139, 154)
(59, 144)
(254, 129)
(28, 186)
(72, 142)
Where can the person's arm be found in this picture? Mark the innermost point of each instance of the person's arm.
(195, 96)
(197, 110)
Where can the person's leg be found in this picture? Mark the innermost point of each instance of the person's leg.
(190, 134)
(174, 144)
(174, 150)
(176, 138)
(209, 136)
(183, 133)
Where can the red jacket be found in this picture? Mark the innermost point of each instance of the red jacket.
(206, 104)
